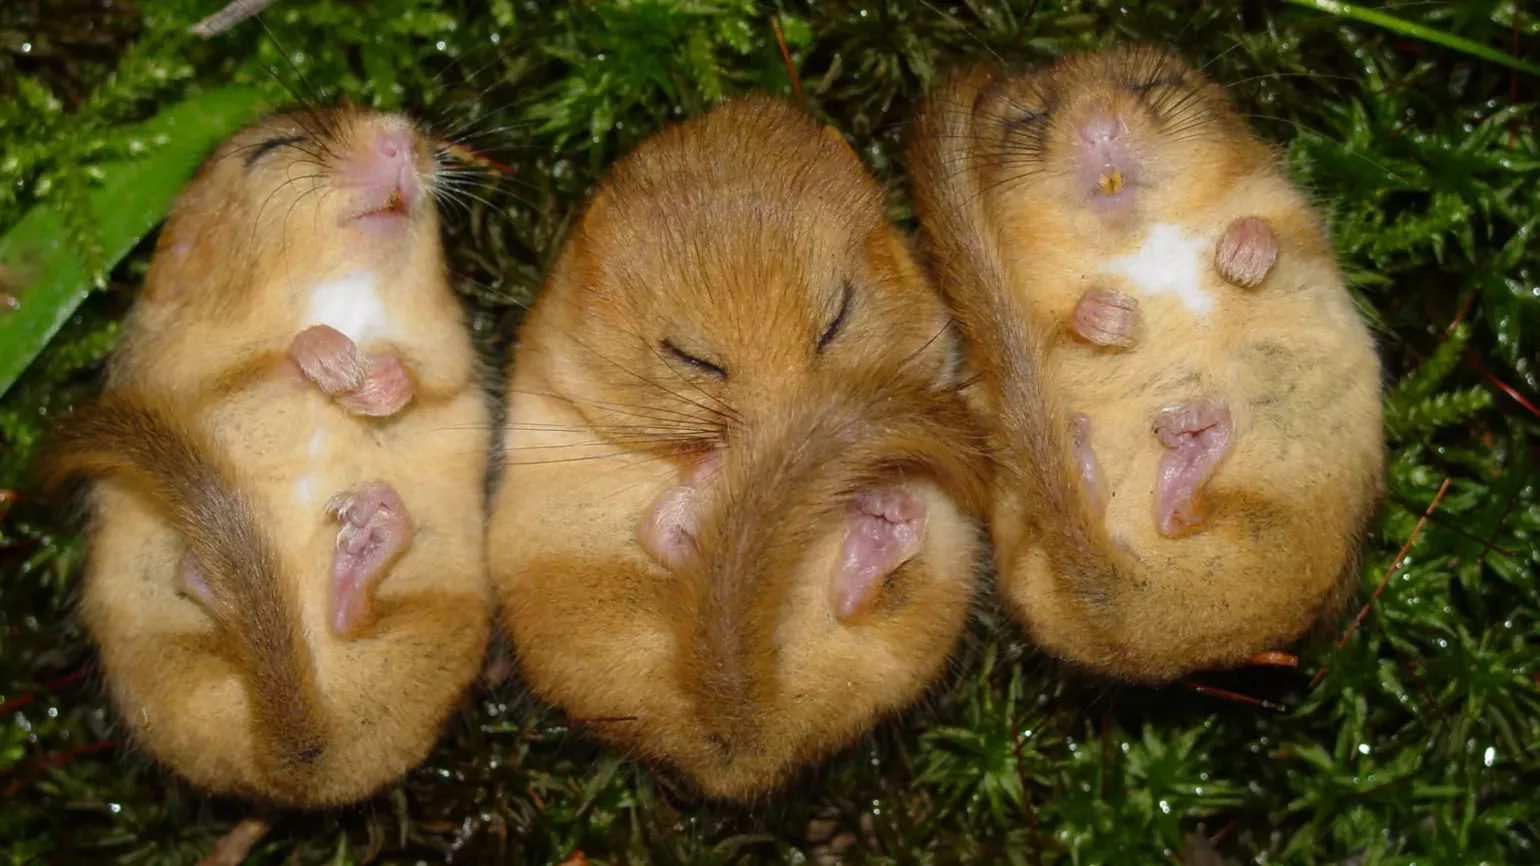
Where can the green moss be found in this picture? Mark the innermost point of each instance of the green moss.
(1421, 744)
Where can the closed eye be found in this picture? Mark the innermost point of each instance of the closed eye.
(1166, 81)
(840, 317)
(1025, 118)
(700, 364)
(271, 145)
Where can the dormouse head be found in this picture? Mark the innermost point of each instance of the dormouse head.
(299, 195)
(1117, 133)
(729, 262)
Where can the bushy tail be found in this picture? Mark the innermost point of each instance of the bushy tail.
(783, 481)
(162, 455)
(1036, 450)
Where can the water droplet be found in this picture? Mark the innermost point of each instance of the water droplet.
(1489, 757)
(439, 45)
(26, 48)
(1165, 807)
(1363, 748)
(114, 808)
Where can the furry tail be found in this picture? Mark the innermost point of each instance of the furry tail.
(1037, 447)
(784, 481)
(179, 467)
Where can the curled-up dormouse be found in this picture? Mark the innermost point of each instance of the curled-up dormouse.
(736, 521)
(1185, 401)
(286, 571)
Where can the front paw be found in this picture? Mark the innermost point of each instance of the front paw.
(384, 391)
(1106, 318)
(330, 359)
(1247, 252)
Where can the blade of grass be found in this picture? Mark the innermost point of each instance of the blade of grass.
(1419, 31)
(51, 276)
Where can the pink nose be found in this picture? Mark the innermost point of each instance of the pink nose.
(392, 144)
(387, 164)
(1100, 126)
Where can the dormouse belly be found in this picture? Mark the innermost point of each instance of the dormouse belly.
(1170, 262)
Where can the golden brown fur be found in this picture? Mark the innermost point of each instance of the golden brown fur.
(209, 438)
(732, 238)
(1015, 245)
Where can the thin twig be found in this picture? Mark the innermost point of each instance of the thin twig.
(1400, 557)
(233, 847)
(796, 80)
(234, 13)
(1504, 387)
(1228, 695)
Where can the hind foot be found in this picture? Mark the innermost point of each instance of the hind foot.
(1106, 318)
(1197, 435)
(884, 529)
(375, 531)
(1090, 470)
(190, 579)
(667, 531)
(374, 384)
(1246, 252)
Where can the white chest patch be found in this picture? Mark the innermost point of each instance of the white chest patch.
(350, 304)
(304, 489)
(1170, 261)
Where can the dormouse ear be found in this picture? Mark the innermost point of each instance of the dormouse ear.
(835, 135)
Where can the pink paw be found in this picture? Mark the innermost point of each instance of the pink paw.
(375, 531)
(1246, 252)
(884, 529)
(1197, 435)
(375, 385)
(191, 580)
(1106, 318)
(667, 531)
(330, 359)
(384, 391)
(1090, 470)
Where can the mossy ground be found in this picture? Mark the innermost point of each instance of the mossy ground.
(1421, 744)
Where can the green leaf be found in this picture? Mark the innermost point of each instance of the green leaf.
(49, 276)
(1413, 29)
